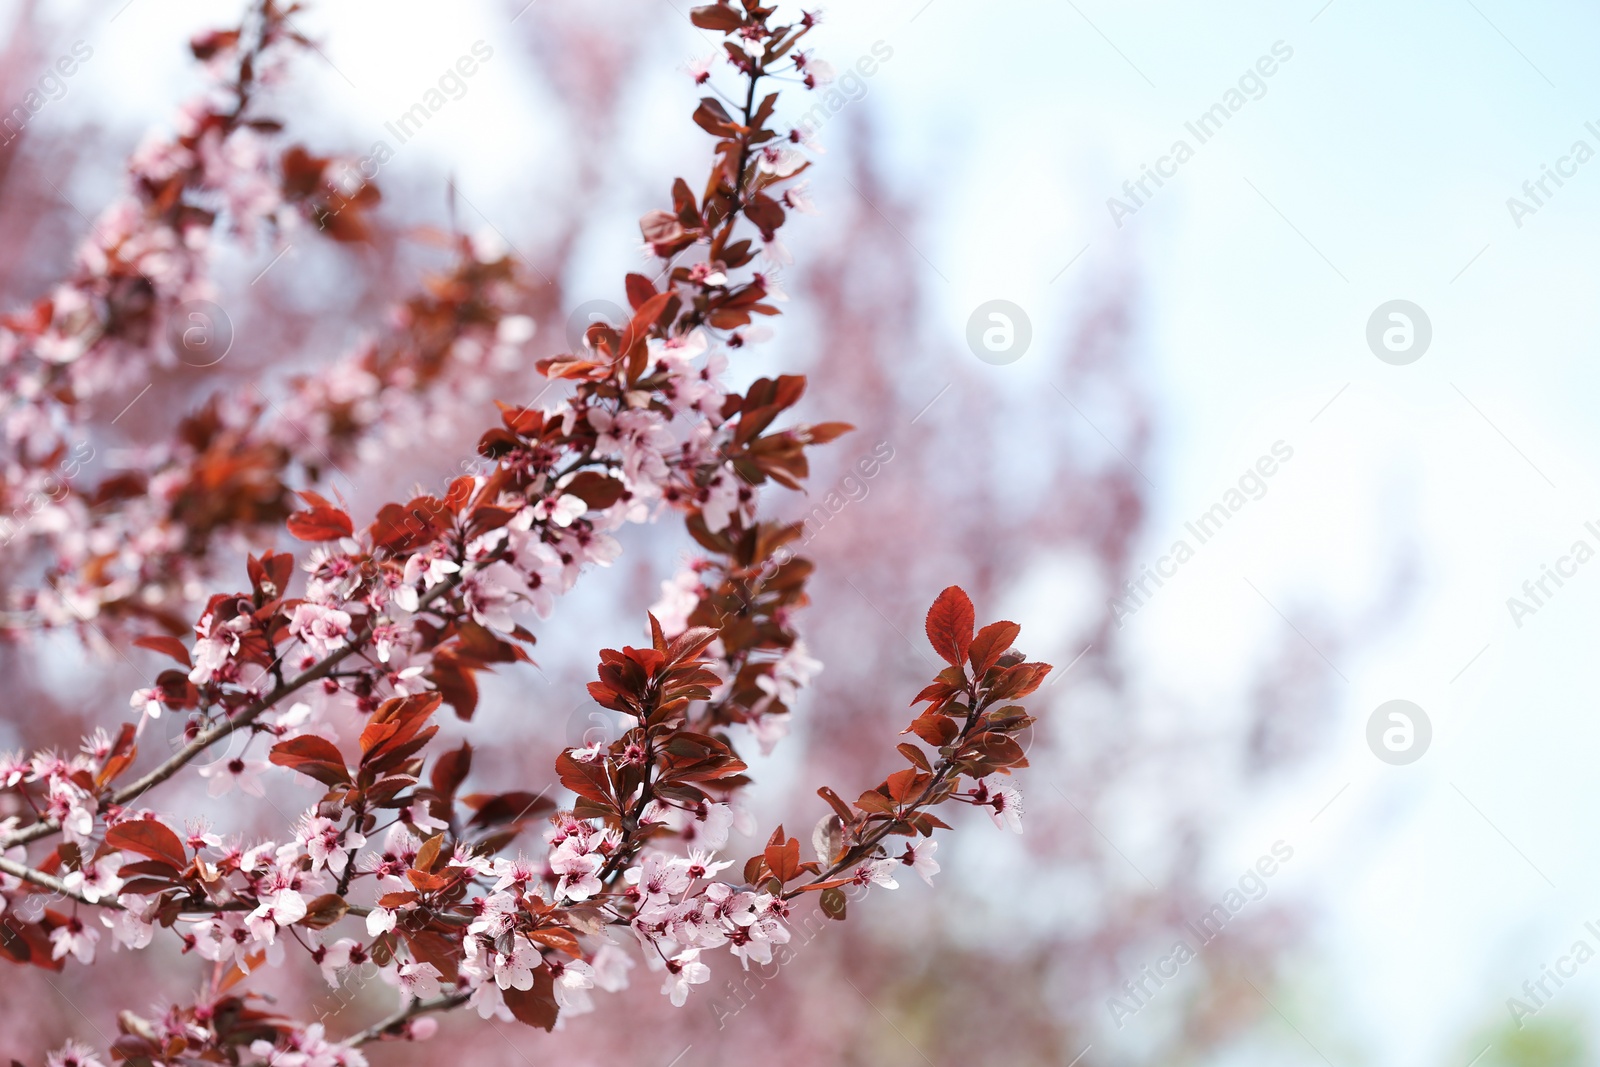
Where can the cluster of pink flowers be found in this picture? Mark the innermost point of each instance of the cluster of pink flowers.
(397, 616)
(126, 312)
(140, 549)
(676, 918)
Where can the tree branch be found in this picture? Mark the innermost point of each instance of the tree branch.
(406, 1014)
(206, 738)
(862, 849)
(39, 878)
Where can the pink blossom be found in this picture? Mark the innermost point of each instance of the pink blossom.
(579, 871)
(326, 843)
(215, 643)
(418, 981)
(496, 914)
(876, 872)
(73, 1054)
(331, 959)
(919, 857)
(638, 438)
(518, 874)
(684, 970)
(133, 926)
(679, 597)
(573, 980)
(145, 701)
(75, 938)
(709, 826)
(611, 966)
(780, 161)
(722, 499)
(769, 730)
(660, 878)
(70, 806)
(793, 670)
(515, 971)
(492, 595)
(562, 510)
(1004, 802)
(13, 769)
(798, 197)
(281, 905)
(226, 775)
(322, 628)
(96, 879)
(699, 68)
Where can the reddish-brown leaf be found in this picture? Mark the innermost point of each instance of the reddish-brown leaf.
(169, 645)
(915, 755)
(313, 756)
(451, 770)
(875, 802)
(457, 682)
(995, 751)
(639, 289)
(990, 644)
(443, 952)
(320, 524)
(783, 860)
(823, 432)
(325, 910)
(1019, 681)
(120, 758)
(148, 838)
(559, 939)
(718, 17)
(597, 490)
(425, 882)
(494, 809)
(585, 779)
(950, 623)
(28, 943)
(937, 730)
(536, 1006)
(429, 855)
(836, 802)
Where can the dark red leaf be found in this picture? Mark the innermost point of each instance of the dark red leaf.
(823, 432)
(837, 803)
(783, 860)
(585, 779)
(719, 17)
(990, 644)
(314, 756)
(950, 623)
(169, 645)
(938, 730)
(639, 289)
(597, 490)
(536, 1006)
(325, 910)
(1019, 681)
(320, 524)
(148, 838)
(451, 770)
(915, 755)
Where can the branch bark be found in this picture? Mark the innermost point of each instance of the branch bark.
(206, 738)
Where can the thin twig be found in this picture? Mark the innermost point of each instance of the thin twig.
(206, 738)
(406, 1014)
